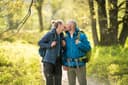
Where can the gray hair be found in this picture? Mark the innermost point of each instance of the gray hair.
(73, 22)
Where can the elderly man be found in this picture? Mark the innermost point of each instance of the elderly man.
(76, 47)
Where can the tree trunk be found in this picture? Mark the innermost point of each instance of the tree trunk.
(113, 17)
(40, 18)
(10, 22)
(102, 20)
(124, 32)
(93, 22)
(39, 10)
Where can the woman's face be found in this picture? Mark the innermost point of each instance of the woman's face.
(61, 27)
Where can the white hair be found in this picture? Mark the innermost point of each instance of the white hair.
(72, 21)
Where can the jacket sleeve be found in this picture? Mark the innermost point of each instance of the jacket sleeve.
(84, 44)
(45, 41)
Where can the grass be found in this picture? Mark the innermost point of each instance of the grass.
(109, 65)
(19, 64)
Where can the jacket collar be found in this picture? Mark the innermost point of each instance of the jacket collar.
(53, 30)
(75, 33)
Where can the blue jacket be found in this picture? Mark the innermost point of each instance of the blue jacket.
(73, 50)
(51, 53)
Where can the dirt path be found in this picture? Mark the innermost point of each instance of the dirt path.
(90, 81)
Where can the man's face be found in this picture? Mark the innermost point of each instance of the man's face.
(67, 27)
(72, 26)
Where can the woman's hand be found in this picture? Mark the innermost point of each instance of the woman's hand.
(53, 44)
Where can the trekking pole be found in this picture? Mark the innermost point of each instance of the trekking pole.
(54, 80)
(76, 60)
(68, 60)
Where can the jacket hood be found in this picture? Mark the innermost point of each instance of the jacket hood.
(53, 30)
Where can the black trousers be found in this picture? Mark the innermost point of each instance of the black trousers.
(53, 73)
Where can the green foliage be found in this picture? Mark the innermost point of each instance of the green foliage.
(13, 11)
(19, 64)
(25, 37)
(109, 65)
(10, 13)
(65, 10)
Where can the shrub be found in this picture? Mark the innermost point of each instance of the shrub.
(19, 64)
(109, 65)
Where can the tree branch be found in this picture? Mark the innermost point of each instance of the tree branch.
(120, 22)
(122, 3)
(22, 22)
(120, 9)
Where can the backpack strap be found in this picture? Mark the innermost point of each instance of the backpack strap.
(88, 53)
(55, 36)
(78, 35)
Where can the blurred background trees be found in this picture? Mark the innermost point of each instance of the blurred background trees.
(107, 18)
(111, 16)
(10, 14)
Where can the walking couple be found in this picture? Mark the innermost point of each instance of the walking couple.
(66, 46)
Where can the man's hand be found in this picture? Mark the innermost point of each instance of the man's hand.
(53, 44)
(77, 41)
(65, 68)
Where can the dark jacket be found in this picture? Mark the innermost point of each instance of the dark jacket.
(51, 52)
